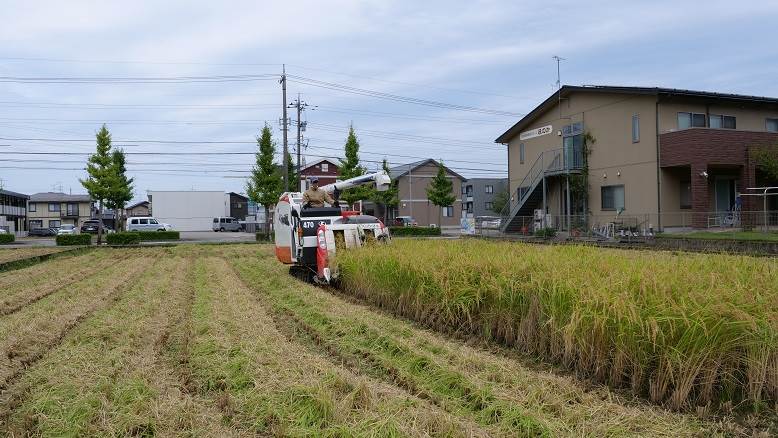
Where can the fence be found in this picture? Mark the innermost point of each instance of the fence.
(636, 225)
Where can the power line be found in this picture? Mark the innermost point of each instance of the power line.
(136, 80)
(396, 98)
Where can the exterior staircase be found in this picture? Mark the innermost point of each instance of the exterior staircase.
(529, 195)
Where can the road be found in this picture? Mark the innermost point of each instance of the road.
(186, 236)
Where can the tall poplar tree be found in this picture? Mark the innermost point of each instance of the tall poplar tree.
(350, 168)
(265, 184)
(440, 192)
(101, 173)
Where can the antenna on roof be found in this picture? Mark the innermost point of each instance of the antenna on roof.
(559, 83)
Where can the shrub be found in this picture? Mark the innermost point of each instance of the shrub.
(546, 233)
(414, 231)
(262, 237)
(7, 238)
(74, 239)
(122, 239)
(157, 235)
(682, 329)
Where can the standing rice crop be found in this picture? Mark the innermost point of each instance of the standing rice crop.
(685, 330)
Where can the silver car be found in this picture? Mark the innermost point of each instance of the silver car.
(225, 224)
(67, 229)
(146, 223)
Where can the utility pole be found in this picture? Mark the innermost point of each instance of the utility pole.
(285, 171)
(301, 106)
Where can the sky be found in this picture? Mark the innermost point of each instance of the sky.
(434, 79)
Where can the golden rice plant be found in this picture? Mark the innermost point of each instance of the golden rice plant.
(685, 330)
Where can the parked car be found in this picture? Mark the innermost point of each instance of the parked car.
(90, 226)
(3, 231)
(67, 229)
(42, 232)
(147, 223)
(225, 224)
(405, 221)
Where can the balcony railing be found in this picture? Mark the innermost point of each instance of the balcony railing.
(12, 211)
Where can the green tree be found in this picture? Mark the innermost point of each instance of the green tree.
(388, 198)
(121, 189)
(500, 200)
(440, 192)
(294, 177)
(101, 175)
(265, 184)
(767, 161)
(350, 168)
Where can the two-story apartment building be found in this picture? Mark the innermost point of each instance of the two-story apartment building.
(666, 157)
(52, 210)
(478, 196)
(13, 211)
(412, 182)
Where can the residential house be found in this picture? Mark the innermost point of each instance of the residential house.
(412, 182)
(239, 206)
(53, 209)
(326, 169)
(478, 196)
(13, 212)
(137, 209)
(660, 157)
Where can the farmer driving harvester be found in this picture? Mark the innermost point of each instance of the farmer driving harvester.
(315, 197)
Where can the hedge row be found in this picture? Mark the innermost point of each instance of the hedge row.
(74, 239)
(7, 238)
(414, 231)
(123, 238)
(157, 235)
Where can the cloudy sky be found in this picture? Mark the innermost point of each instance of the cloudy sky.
(489, 62)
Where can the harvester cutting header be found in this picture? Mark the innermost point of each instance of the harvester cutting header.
(308, 233)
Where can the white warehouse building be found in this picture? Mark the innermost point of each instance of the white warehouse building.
(188, 210)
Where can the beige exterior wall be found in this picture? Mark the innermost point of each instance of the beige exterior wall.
(748, 119)
(140, 210)
(614, 159)
(43, 214)
(412, 192)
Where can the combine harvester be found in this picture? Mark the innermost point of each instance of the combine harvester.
(307, 238)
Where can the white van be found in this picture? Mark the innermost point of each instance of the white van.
(146, 223)
(225, 224)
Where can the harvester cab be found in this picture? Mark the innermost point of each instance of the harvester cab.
(308, 238)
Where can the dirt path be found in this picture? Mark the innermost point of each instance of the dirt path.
(528, 400)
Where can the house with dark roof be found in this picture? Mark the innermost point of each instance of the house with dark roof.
(326, 169)
(13, 211)
(53, 209)
(412, 182)
(141, 208)
(656, 158)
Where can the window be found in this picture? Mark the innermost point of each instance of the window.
(72, 209)
(36, 224)
(612, 197)
(153, 221)
(691, 120)
(489, 189)
(54, 224)
(719, 121)
(32, 207)
(488, 205)
(771, 125)
(135, 221)
(325, 167)
(216, 220)
(635, 128)
(521, 153)
(448, 211)
(143, 221)
(464, 189)
(54, 206)
(469, 191)
(686, 194)
(464, 206)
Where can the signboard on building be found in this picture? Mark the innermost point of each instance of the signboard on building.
(537, 132)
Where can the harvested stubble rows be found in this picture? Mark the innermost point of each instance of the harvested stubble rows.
(221, 341)
(681, 329)
(14, 254)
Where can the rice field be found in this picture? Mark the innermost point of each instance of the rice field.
(692, 332)
(207, 341)
(14, 254)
